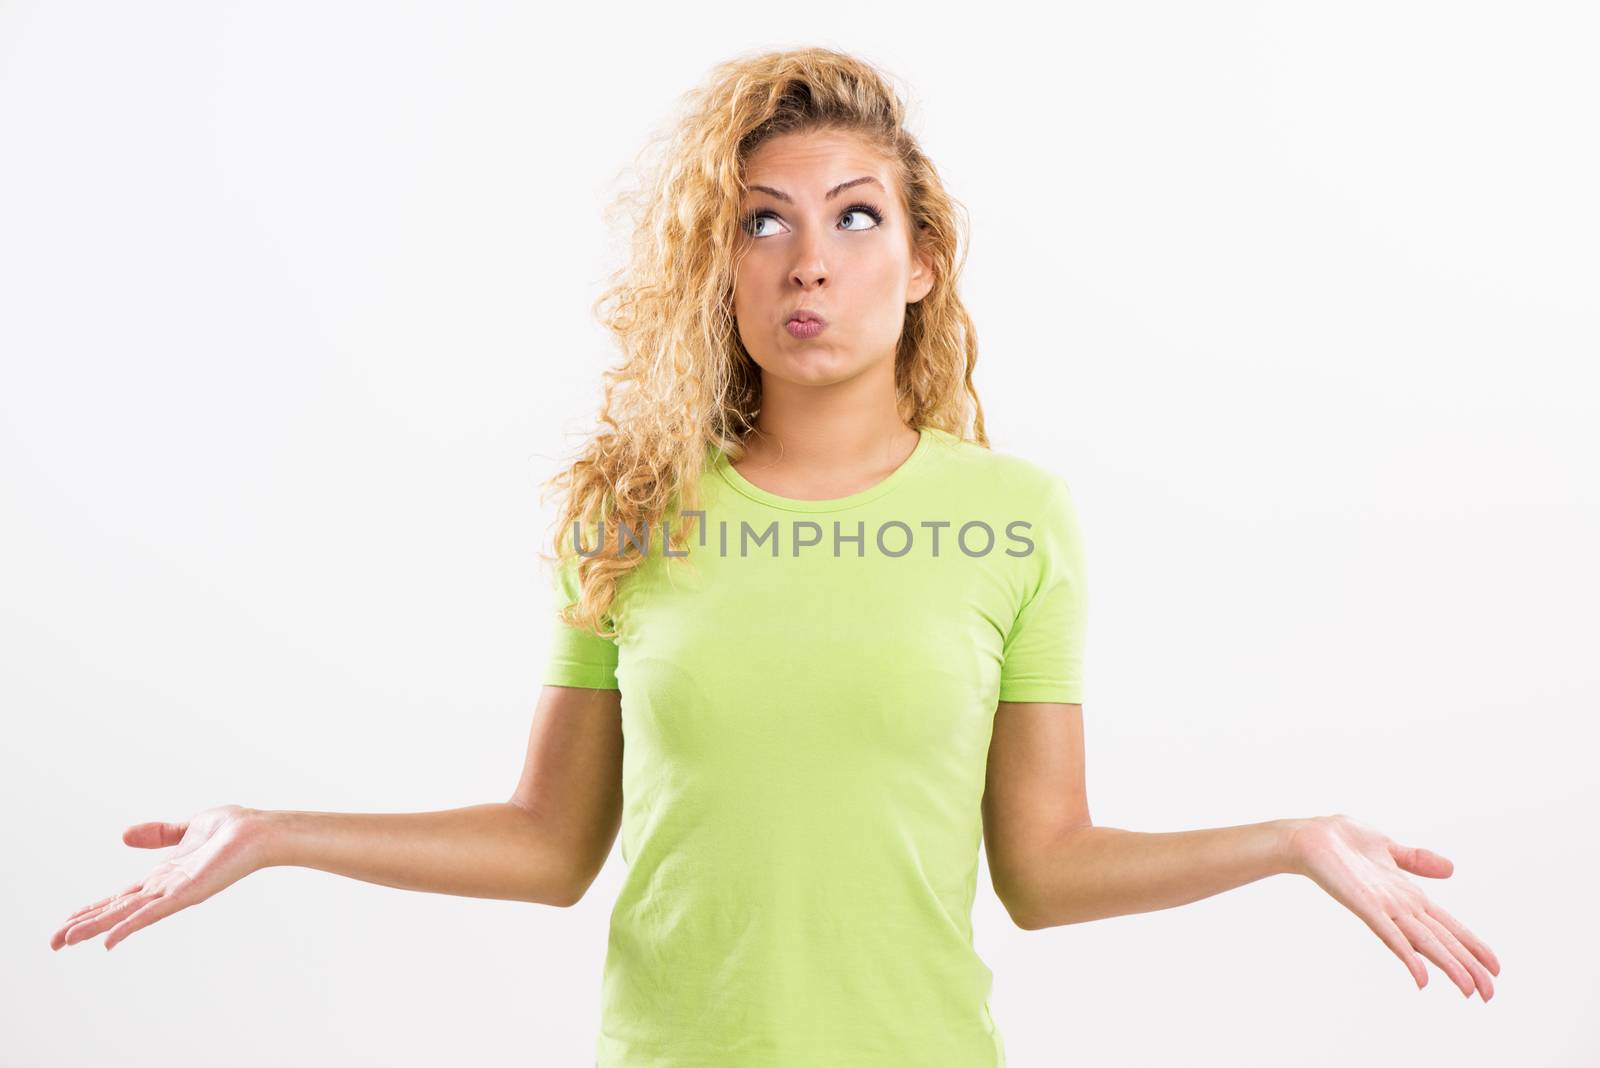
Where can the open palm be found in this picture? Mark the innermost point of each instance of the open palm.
(1365, 871)
(216, 848)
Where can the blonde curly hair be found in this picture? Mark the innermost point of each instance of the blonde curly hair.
(685, 387)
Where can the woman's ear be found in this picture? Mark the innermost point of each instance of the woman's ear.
(921, 282)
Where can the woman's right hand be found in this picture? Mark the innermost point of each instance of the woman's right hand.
(216, 848)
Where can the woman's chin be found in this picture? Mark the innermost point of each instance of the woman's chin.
(814, 366)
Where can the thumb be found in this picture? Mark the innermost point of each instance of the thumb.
(1421, 861)
(154, 835)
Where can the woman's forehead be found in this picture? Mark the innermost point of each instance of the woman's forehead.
(814, 150)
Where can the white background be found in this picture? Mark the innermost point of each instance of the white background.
(295, 317)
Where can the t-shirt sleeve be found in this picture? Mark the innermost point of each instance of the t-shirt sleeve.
(1043, 652)
(577, 657)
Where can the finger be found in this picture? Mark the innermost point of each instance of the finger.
(164, 905)
(1382, 926)
(1421, 861)
(90, 926)
(1480, 976)
(154, 835)
(1429, 946)
(129, 889)
(1470, 940)
(59, 938)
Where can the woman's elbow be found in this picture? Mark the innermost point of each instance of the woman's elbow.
(563, 861)
(1027, 915)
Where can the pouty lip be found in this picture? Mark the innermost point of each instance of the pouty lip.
(806, 315)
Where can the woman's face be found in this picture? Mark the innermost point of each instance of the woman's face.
(845, 256)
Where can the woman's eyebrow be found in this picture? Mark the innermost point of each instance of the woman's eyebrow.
(835, 191)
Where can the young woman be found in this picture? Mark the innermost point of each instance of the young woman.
(817, 642)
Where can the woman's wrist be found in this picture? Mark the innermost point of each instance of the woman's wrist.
(266, 834)
(1289, 845)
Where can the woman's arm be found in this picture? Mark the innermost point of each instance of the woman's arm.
(544, 845)
(497, 850)
(1051, 865)
(1089, 873)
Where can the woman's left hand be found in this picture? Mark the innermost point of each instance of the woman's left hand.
(1365, 871)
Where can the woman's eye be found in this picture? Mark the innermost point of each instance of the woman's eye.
(863, 213)
(753, 221)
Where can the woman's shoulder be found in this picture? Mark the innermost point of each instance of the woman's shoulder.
(998, 470)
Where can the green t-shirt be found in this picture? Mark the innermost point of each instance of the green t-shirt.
(807, 700)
